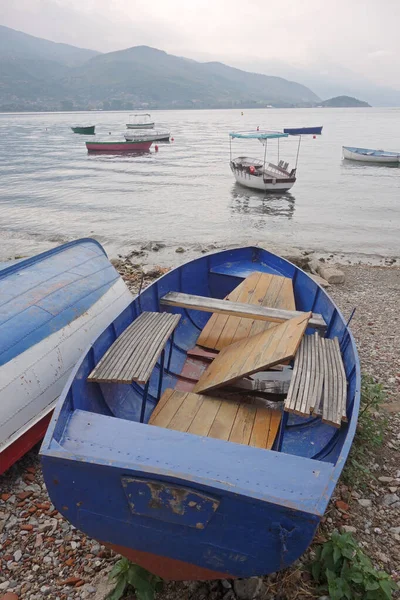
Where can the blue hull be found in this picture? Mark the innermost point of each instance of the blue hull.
(259, 509)
(303, 130)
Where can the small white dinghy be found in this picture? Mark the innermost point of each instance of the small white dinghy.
(370, 155)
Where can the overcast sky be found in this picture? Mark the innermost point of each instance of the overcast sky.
(361, 35)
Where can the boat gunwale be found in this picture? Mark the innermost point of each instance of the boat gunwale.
(31, 260)
(336, 468)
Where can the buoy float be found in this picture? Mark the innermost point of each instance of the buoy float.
(156, 148)
(172, 139)
(314, 137)
(252, 169)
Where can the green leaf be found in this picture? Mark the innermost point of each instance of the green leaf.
(337, 554)
(316, 570)
(355, 576)
(371, 585)
(386, 586)
(119, 589)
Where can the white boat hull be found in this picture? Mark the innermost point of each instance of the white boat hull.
(349, 155)
(31, 383)
(154, 136)
(140, 125)
(258, 182)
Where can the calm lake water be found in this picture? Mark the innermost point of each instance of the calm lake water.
(52, 190)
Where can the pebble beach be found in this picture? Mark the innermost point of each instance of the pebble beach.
(43, 556)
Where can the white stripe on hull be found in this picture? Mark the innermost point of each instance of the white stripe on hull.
(31, 383)
(257, 183)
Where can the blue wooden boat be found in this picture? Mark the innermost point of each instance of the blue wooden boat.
(183, 504)
(303, 130)
(51, 306)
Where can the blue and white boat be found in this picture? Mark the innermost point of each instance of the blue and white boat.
(370, 155)
(51, 307)
(192, 504)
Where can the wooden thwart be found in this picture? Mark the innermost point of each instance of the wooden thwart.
(238, 309)
(133, 355)
(318, 385)
(233, 419)
(258, 289)
(253, 354)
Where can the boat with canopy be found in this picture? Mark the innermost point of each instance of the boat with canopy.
(140, 121)
(261, 174)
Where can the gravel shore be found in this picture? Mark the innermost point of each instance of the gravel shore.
(41, 555)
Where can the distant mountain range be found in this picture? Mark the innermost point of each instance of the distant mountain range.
(37, 74)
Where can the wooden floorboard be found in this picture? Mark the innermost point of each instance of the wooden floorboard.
(254, 354)
(260, 289)
(238, 420)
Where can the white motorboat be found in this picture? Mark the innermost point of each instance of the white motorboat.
(140, 121)
(370, 155)
(262, 174)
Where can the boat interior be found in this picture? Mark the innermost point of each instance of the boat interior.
(256, 354)
(256, 167)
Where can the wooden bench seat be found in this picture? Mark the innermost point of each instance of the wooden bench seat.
(318, 385)
(135, 352)
(235, 419)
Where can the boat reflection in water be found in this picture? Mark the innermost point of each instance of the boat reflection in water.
(252, 202)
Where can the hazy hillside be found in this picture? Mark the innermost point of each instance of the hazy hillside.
(18, 45)
(38, 74)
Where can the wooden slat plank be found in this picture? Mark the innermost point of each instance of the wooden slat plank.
(211, 332)
(168, 410)
(260, 432)
(269, 299)
(254, 354)
(291, 399)
(134, 354)
(162, 402)
(343, 378)
(274, 423)
(215, 305)
(258, 299)
(243, 425)
(224, 420)
(205, 416)
(183, 418)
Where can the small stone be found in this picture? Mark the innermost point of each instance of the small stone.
(390, 499)
(247, 589)
(70, 581)
(180, 250)
(395, 530)
(9, 596)
(384, 479)
(349, 528)
(4, 585)
(331, 274)
(393, 489)
(17, 555)
(35, 568)
(45, 589)
(364, 502)
(321, 281)
(342, 506)
(226, 584)
(377, 530)
(382, 557)
(90, 589)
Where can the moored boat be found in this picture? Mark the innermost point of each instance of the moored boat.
(154, 136)
(51, 306)
(370, 155)
(140, 121)
(199, 484)
(119, 146)
(84, 129)
(303, 130)
(262, 174)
